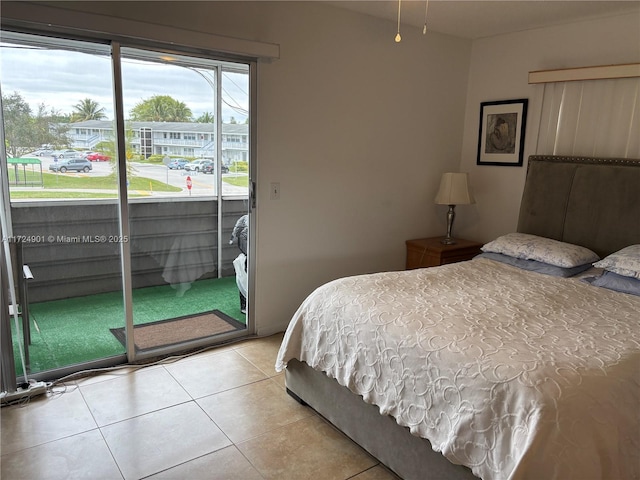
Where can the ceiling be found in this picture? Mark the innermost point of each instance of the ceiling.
(482, 18)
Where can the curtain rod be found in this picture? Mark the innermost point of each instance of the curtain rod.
(599, 72)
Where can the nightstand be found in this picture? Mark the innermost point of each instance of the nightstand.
(429, 252)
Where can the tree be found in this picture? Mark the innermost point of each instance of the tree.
(161, 108)
(206, 117)
(17, 121)
(50, 127)
(109, 148)
(87, 109)
(25, 132)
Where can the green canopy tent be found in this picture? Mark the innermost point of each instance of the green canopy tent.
(30, 175)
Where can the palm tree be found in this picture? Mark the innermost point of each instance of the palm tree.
(161, 108)
(206, 117)
(87, 109)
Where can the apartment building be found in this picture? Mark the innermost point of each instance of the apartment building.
(182, 139)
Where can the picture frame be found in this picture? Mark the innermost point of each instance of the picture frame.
(502, 132)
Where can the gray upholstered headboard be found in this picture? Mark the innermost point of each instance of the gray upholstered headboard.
(594, 202)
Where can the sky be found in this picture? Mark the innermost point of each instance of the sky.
(61, 79)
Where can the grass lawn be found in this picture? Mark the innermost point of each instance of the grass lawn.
(52, 180)
(63, 181)
(45, 194)
(240, 181)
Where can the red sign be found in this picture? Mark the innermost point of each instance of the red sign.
(189, 183)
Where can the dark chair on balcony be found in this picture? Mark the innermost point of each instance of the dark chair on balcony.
(21, 276)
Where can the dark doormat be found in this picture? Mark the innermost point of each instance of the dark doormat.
(179, 330)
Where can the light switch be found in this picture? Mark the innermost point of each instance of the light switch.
(275, 190)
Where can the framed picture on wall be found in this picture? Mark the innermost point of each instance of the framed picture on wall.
(501, 137)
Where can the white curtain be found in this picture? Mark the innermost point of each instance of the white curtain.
(595, 118)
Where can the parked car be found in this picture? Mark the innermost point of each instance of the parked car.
(210, 167)
(177, 164)
(75, 164)
(98, 157)
(196, 165)
(43, 152)
(68, 153)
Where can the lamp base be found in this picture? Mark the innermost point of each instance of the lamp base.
(451, 214)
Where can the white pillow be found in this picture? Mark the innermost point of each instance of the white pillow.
(625, 262)
(541, 249)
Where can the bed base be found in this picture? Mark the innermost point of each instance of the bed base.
(410, 457)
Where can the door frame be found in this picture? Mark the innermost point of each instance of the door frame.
(123, 205)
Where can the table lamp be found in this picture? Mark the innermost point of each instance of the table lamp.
(454, 190)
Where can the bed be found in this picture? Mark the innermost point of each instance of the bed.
(485, 368)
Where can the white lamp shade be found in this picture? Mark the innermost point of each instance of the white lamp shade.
(454, 190)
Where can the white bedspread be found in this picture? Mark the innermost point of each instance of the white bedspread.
(514, 374)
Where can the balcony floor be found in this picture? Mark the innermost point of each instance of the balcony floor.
(77, 330)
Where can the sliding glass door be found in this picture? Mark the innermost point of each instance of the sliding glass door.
(184, 286)
(62, 213)
(124, 209)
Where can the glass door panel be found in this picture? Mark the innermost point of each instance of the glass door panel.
(234, 155)
(58, 171)
(184, 296)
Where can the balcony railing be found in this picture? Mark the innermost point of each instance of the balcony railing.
(76, 247)
(235, 146)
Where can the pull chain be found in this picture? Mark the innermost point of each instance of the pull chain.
(398, 37)
(426, 9)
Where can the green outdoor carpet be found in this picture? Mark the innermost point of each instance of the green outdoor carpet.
(76, 330)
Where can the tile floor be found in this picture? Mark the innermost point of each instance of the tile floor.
(220, 414)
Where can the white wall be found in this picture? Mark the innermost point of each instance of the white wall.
(356, 129)
(499, 71)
